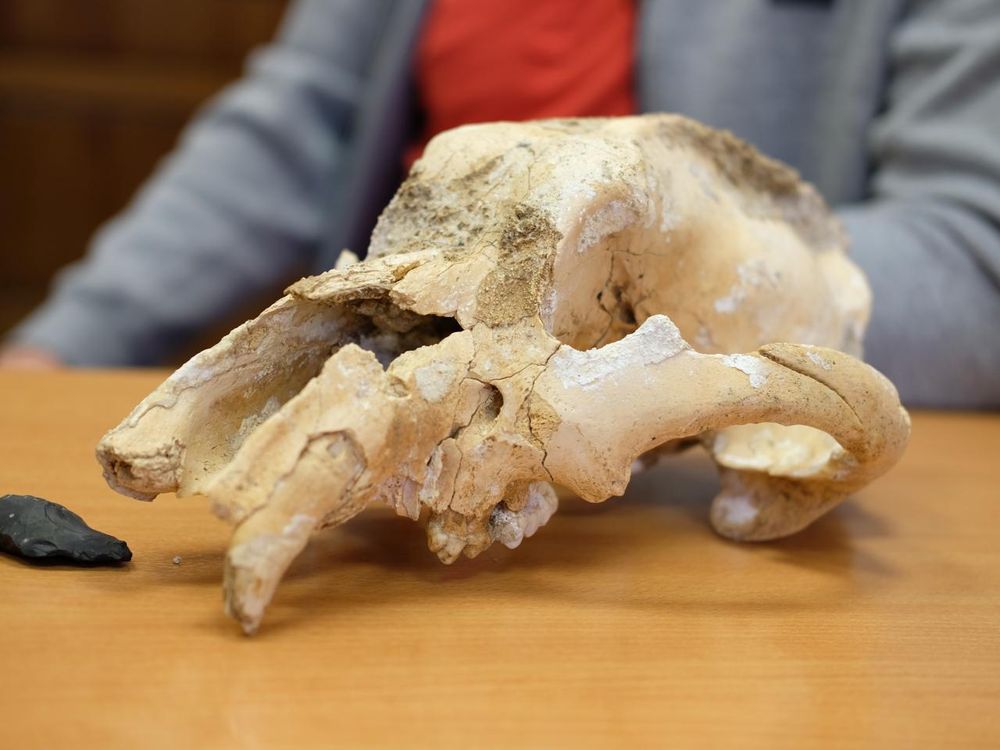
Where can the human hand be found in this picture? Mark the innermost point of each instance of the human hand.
(20, 357)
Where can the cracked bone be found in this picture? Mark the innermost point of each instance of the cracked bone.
(541, 304)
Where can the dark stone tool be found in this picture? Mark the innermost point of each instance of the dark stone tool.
(39, 530)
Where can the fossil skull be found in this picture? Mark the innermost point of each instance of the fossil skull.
(542, 304)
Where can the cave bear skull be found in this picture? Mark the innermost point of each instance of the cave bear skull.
(541, 304)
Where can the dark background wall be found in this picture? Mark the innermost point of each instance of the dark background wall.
(92, 94)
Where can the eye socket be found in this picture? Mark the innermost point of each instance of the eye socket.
(597, 278)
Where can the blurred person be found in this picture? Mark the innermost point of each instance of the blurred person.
(890, 107)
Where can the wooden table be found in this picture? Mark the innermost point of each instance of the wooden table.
(623, 624)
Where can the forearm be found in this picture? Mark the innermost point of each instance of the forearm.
(929, 238)
(238, 208)
(936, 311)
(153, 280)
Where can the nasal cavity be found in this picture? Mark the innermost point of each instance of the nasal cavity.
(387, 330)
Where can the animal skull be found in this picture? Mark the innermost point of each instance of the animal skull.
(525, 318)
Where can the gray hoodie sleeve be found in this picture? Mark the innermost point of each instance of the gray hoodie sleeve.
(239, 206)
(929, 238)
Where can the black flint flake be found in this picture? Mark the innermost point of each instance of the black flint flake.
(37, 530)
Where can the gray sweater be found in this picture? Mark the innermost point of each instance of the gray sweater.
(892, 108)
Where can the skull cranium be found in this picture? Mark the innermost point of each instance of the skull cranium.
(523, 319)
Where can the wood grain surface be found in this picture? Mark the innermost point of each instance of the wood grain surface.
(627, 624)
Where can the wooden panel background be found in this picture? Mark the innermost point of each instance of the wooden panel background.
(92, 95)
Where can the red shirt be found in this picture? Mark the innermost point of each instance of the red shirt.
(482, 60)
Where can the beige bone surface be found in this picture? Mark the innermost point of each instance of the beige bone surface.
(542, 303)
